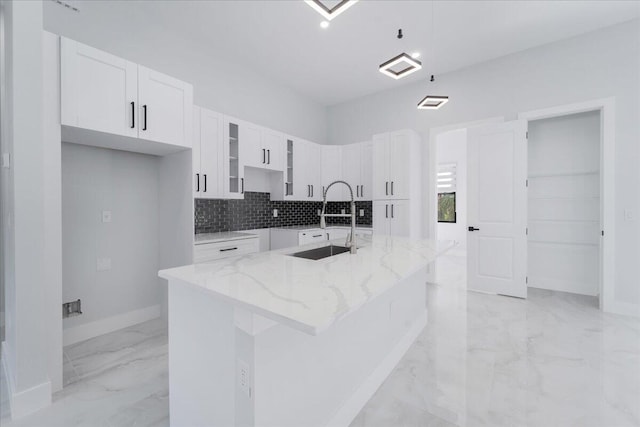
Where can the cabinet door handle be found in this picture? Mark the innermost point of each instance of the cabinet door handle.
(391, 211)
(205, 182)
(133, 115)
(362, 190)
(392, 188)
(268, 157)
(386, 211)
(386, 188)
(144, 110)
(198, 182)
(264, 156)
(357, 191)
(317, 235)
(242, 181)
(311, 190)
(228, 249)
(473, 229)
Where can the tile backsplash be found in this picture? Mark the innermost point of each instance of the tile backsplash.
(256, 211)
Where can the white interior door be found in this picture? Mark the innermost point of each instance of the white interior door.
(497, 208)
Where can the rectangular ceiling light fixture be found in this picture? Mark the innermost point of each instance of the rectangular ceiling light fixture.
(404, 65)
(431, 102)
(330, 12)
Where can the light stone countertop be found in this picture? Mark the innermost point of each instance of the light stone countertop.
(310, 295)
(317, 226)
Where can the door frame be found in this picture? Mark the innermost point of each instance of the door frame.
(430, 225)
(606, 107)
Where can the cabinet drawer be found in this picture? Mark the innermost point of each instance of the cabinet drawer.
(219, 250)
(305, 237)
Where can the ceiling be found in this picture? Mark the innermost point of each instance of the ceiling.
(283, 39)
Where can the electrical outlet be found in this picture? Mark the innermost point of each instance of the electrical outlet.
(361, 212)
(103, 264)
(275, 213)
(629, 215)
(6, 160)
(106, 216)
(244, 377)
(343, 211)
(319, 212)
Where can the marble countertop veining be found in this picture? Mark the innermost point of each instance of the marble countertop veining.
(223, 236)
(305, 294)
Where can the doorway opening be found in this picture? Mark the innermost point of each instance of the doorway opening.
(564, 204)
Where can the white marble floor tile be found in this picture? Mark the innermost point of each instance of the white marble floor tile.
(483, 360)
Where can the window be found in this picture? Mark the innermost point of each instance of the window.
(447, 207)
(447, 192)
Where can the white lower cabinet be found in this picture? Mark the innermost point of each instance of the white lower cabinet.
(224, 249)
(312, 236)
(392, 218)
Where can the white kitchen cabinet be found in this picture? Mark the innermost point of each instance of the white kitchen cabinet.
(397, 177)
(205, 252)
(393, 153)
(274, 146)
(104, 93)
(233, 152)
(264, 148)
(332, 171)
(312, 236)
(99, 90)
(166, 106)
(306, 171)
(392, 218)
(208, 134)
(357, 169)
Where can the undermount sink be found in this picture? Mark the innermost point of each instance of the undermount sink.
(322, 252)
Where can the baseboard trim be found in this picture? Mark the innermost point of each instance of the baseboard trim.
(561, 286)
(347, 413)
(27, 401)
(622, 308)
(104, 326)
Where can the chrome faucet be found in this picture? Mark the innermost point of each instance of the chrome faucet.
(351, 239)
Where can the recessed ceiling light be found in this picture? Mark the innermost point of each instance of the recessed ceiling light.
(330, 12)
(412, 65)
(415, 55)
(431, 102)
(324, 24)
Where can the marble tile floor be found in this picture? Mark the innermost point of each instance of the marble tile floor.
(483, 360)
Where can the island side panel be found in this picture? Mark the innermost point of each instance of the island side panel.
(323, 380)
(201, 358)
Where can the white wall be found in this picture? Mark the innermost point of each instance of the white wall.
(596, 65)
(127, 184)
(564, 203)
(218, 85)
(452, 148)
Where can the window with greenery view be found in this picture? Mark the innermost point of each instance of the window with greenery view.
(447, 207)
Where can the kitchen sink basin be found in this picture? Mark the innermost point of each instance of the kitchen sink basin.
(322, 252)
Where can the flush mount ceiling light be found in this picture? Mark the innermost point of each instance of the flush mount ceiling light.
(403, 64)
(432, 102)
(330, 12)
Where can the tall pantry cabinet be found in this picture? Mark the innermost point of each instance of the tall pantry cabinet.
(397, 184)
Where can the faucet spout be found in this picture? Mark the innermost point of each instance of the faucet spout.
(351, 242)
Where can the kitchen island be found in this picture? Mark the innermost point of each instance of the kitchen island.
(270, 339)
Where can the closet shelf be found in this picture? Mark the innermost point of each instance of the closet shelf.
(558, 174)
